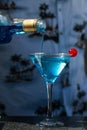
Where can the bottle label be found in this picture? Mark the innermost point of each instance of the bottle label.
(29, 25)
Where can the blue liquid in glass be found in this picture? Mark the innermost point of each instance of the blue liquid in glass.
(52, 66)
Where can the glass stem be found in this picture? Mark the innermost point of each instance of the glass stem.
(49, 97)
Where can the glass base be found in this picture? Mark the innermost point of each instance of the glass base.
(50, 123)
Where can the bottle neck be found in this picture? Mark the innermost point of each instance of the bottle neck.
(24, 25)
(31, 25)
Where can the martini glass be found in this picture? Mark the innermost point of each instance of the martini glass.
(50, 66)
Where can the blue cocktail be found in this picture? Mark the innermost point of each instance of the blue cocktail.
(50, 66)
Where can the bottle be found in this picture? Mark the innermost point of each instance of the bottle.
(10, 27)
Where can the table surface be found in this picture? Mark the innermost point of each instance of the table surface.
(29, 123)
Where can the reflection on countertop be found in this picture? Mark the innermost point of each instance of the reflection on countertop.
(29, 123)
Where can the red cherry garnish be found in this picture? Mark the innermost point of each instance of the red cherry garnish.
(73, 52)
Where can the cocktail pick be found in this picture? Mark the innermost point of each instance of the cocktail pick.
(73, 52)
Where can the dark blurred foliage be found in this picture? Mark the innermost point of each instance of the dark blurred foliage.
(20, 69)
